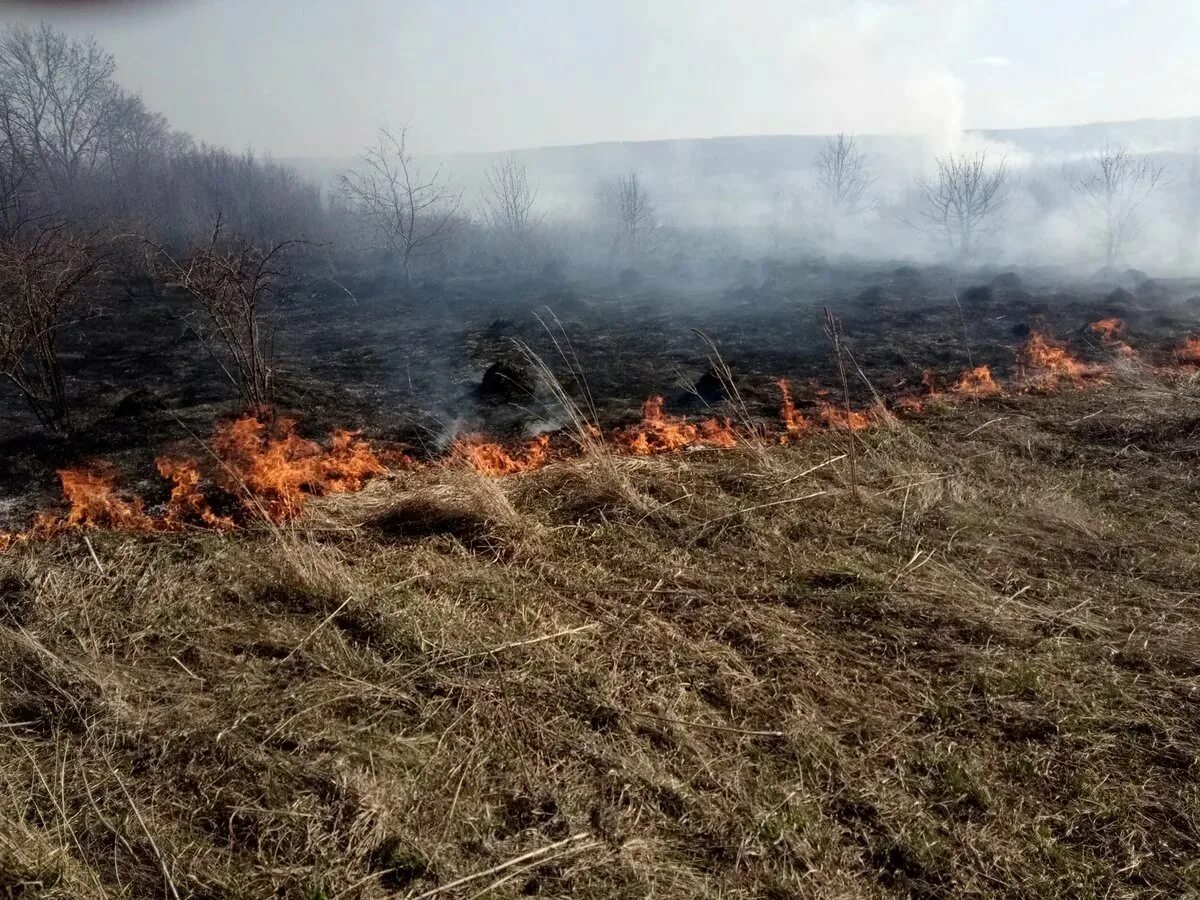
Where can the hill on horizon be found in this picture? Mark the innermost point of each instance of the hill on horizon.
(695, 174)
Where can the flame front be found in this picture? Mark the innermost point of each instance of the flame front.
(1112, 333)
(188, 504)
(1052, 361)
(842, 419)
(96, 504)
(269, 469)
(977, 382)
(1188, 353)
(661, 433)
(489, 458)
(794, 424)
(281, 470)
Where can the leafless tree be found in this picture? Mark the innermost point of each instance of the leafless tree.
(843, 178)
(1116, 184)
(507, 209)
(238, 286)
(60, 102)
(413, 216)
(45, 271)
(965, 201)
(630, 215)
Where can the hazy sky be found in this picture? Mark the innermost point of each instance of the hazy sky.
(316, 77)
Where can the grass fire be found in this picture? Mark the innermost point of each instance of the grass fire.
(620, 515)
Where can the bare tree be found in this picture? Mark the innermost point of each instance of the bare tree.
(507, 209)
(238, 286)
(413, 216)
(630, 215)
(1116, 184)
(60, 101)
(843, 178)
(965, 200)
(44, 273)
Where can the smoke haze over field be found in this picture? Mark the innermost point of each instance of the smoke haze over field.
(715, 114)
(314, 79)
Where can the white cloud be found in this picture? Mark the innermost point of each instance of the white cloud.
(995, 62)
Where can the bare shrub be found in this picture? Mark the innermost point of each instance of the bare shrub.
(843, 178)
(238, 287)
(1115, 184)
(507, 209)
(44, 274)
(965, 201)
(628, 215)
(412, 216)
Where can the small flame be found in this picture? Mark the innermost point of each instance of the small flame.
(1052, 360)
(794, 423)
(187, 505)
(96, 504)
(661, 433)
(1188, 353)
(842, 419)
(489, 458)
(977, 382)
(1111, 333)
(910, 403)
(1108, 329)
(281, 470)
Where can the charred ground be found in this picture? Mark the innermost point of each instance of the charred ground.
(415, 366)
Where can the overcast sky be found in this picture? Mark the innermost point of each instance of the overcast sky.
(316, 77)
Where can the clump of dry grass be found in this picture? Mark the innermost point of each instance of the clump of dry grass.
(976, 678)
(457, 502)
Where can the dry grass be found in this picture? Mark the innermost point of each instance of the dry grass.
(977, 680)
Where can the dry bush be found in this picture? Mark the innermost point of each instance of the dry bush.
(239, 288)
(413, 216)
(965, 201)
(45, 272)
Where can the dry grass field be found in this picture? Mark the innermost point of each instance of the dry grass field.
(967, 667)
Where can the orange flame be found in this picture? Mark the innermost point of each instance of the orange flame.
(977, 382)
(490, 458)
(281, 470)
(1052, 361)
(1188, 353)
(269, 469)
(793, 422)
(660, 433)
(1111, 332)
(1109, 329)
(910, 403)
(187, 505)
(95, 504)
(828, 414)
(838, 417)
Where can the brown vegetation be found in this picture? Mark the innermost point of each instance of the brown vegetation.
(975, 679)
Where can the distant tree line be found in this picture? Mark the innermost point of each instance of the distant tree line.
(95, 188)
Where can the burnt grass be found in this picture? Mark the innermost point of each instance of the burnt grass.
(966, 667)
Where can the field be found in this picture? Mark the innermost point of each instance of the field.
(954, 653)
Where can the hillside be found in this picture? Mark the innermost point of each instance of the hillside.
(569, 174)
